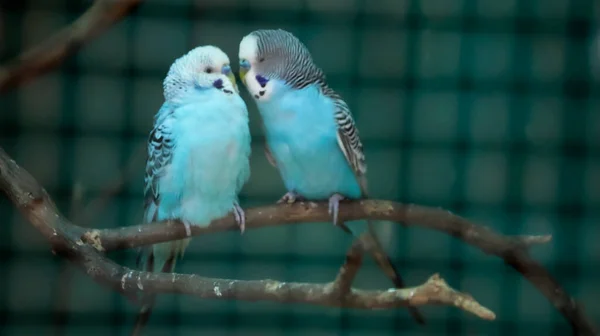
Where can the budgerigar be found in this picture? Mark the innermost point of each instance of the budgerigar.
(198, 155)
(310, 133)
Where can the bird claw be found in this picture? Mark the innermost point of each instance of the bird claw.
(240, 216)
(334, 205)
(188, 227)
(290, 197)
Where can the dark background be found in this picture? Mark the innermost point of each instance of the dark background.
(487, 108)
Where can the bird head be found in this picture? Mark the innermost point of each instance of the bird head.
(266, 55)
(203, 67)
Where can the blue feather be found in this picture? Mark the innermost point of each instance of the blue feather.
(198, 160)
(302, 136)
(311, 135)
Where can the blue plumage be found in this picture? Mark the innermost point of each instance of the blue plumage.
(198, 155)
(207, 166)
(302, 136)
(311, 135)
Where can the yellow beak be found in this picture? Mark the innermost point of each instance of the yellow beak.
(243, 72)
(231, 77)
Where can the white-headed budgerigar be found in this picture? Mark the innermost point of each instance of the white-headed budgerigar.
(310, 134)
(198, 155)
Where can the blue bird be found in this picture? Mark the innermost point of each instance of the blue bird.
(310, 133)
(198, 155)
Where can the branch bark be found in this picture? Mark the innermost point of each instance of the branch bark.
(479, 236)
(433, 292)
(49, 54)
(32, 200)
(342, 284)
(35, 205)
(513, 250)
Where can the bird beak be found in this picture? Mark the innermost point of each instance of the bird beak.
(233, 80)
(244, 68)
(243, 73)
(226, 70)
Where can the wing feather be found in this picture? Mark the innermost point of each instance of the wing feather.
(160, 152)
(348, 138)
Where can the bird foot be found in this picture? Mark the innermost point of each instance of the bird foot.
(334, 204)
(240, 216)
(291, 197)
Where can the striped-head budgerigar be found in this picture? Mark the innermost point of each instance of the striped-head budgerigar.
(310, 134)
(198, 155)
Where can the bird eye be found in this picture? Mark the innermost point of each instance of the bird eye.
(262, 59)
(209, 70)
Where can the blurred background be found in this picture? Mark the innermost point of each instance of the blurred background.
(490, 109)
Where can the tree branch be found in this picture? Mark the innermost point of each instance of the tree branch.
(479, 236)
(513, 250)
(52, 52)
(354, 257)
(61, 295)
(35, 205)
(433, 292)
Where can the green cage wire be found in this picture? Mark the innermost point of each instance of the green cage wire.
(490, 109)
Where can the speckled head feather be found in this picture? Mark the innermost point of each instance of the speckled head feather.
(200, 67)
(278, 54)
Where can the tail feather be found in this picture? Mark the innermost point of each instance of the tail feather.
(148, 300)
(384, 262)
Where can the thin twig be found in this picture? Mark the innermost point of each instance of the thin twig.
(345, 277)
(51, 53)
